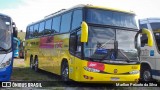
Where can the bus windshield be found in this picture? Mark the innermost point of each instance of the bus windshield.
(101, 44)
(5, 33)
(105, 17)
(156, 30)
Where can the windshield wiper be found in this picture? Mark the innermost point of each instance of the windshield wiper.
(2, 49)
(127, 59)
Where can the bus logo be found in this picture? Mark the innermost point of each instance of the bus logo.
(115, 71)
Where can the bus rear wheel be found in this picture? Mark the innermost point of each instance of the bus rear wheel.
(65, 72)
(36, 65)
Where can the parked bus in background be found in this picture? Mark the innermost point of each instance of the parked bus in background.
(6, 51)
(16, 47)
(150, 56)
(86, 43)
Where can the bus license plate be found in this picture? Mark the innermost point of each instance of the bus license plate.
(114, 79)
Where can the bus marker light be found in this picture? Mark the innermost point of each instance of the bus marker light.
(134, 67)
(91, 78)
(86, 77)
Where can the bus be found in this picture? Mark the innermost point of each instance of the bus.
(16, 45)
(150, 56)
(6, 47)
(86, 43)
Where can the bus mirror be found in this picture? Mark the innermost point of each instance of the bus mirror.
(149, 35)
(84, 32)
(15, 29)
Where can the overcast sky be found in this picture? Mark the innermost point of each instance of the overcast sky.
(24, 12)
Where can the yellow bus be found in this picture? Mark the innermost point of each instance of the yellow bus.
(86, 43)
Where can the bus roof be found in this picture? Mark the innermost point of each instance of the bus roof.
(82, 6)
(111, 9)
(4, 14)
(149, 20)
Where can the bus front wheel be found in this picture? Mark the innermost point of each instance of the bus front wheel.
(65, 71)
(146, 74)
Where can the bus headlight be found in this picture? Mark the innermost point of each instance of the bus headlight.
(134, 72)
(5, 63)
(91, 69)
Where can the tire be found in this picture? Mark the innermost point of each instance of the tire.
(65, 72)
(146, 74)
(36, 69)
(31, 63)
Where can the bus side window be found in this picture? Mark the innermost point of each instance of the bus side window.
(76, 22)
(35, 30)
(157, 37)
(41, 29)
(66, 22)
(144, 40)
(48, 27)
(143, 26)
(56, 24)
(27, 33)
(31, 32)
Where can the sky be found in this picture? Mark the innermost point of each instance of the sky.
(24, 12)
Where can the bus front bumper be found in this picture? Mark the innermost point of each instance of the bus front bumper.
(108, 78)
(5, 73)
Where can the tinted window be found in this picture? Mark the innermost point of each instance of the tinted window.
(66, 22)
(41, 28)
(48, 26)
(77, 21)
(36, 30)
(155, 26)
(144, 40)
(106, 17)
(56, 24)
(157, 37)
(143, 26)
(27, 33)
(31, 32)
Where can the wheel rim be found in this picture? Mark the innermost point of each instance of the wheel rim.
(65, 73)
(146, 75)
(31, 64)
(36, 65)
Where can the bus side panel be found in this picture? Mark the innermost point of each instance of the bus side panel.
(31, 48)
(61, 47)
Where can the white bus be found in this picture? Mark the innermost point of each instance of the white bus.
(7, 31)
(150, 56)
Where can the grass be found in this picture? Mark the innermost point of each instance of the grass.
(21, 72)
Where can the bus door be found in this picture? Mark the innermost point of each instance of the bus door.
(75, 49)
